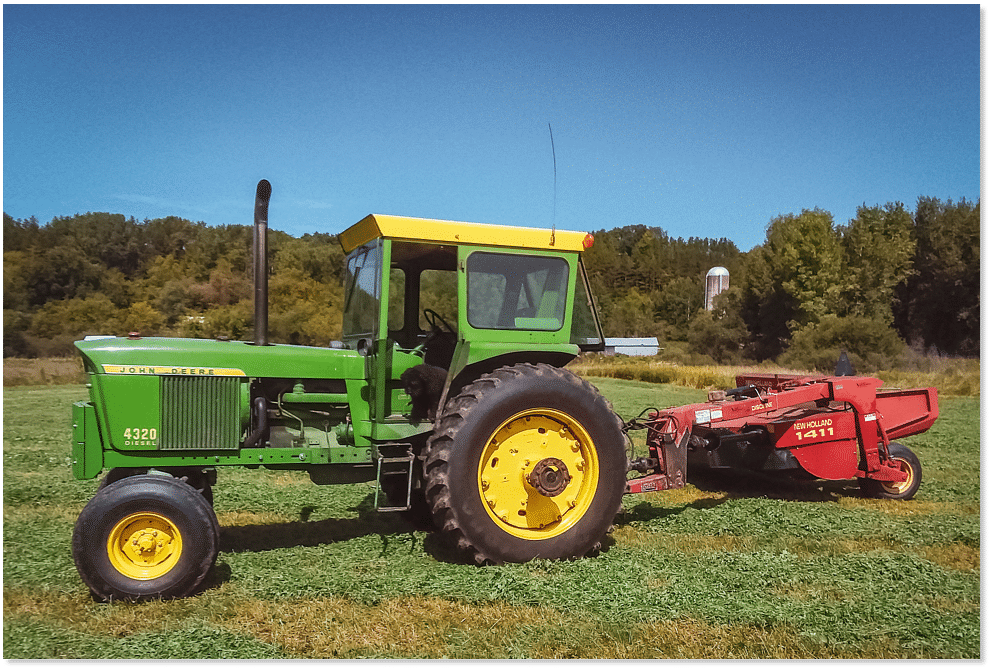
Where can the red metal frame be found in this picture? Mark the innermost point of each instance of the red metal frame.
(837, 427)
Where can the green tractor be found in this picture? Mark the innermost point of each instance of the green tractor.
(448, 390)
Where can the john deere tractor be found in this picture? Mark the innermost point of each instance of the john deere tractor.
(447, 391)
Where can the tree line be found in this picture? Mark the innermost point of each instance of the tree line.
(888, 279)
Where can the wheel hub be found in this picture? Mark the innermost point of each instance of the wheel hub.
(898, 487)
(146, 543)
(549, 477)
(144, 546)
(538, 473)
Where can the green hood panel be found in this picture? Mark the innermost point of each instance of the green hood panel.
(208, 357)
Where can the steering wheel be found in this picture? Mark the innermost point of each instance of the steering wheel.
(434, 320)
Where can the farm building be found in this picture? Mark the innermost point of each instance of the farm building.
(645, 346)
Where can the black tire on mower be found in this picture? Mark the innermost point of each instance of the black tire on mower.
(907, 461)
(145, 537)
(528, 462)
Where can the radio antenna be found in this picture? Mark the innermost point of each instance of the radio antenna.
(552, 237)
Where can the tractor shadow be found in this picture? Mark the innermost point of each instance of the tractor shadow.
(305, 533)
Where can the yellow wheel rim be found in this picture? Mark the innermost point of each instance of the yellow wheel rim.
(144, 546)
(538, 474)
(902, 486)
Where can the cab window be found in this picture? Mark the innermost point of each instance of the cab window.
(526, 292)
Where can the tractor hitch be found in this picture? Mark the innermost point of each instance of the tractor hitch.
(666, 466)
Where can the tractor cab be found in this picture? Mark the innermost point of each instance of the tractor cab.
(464, 298)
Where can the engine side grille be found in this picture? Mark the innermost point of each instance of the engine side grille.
(199, 413)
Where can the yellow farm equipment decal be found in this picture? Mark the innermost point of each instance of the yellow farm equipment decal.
(139, 438)
(138, 370)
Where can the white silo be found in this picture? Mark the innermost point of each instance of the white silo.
(715, 284)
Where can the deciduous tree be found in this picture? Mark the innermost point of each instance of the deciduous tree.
(879, 248)
(939, 304)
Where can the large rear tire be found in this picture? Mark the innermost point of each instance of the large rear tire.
(145, 537)
(527, 462)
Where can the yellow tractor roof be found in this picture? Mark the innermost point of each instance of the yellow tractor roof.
(453, 232)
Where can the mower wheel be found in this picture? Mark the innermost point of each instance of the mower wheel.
(528, 462)
(145, 537)
(904, 458)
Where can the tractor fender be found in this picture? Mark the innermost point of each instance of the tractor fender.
(458, 379)
(87, 444)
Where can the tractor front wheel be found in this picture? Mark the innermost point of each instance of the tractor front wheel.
(907, 461)
(196, 478)
(527, 462)
(145, 537)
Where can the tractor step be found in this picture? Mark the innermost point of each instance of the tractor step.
(400, 465)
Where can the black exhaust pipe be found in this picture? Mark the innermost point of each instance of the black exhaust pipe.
(261, 263)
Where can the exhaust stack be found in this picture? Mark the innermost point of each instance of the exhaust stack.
(261, 263)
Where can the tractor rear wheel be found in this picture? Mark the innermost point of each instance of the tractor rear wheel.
(907, 461)
(145, 537)
(527, 462)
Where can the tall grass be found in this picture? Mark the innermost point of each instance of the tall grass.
(951, 377)
(18, 371)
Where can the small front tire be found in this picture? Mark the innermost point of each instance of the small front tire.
(145, 537)
(196, 478)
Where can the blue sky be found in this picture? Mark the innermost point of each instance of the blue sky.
(706, 121)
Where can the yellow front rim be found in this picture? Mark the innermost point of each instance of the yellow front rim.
(144, 546)
(538, 474)
(900, 487)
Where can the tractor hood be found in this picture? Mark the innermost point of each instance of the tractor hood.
(207, 357)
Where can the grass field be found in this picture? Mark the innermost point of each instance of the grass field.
(726, 568)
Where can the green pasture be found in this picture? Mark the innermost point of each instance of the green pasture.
(728, 567)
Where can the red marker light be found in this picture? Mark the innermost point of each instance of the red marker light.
(588, 240)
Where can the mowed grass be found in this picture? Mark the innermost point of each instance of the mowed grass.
(729, 567)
